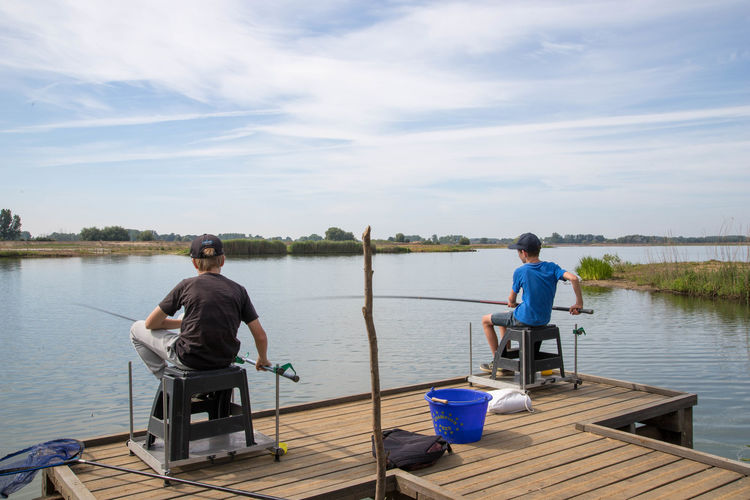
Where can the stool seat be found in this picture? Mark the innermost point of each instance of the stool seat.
(533, 359)
(199, 391)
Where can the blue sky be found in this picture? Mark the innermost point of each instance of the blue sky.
(285, 118)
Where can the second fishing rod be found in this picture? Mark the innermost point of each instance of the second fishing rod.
(282, 370)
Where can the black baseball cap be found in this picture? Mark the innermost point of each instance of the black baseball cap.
(206, 241)
(528, 242)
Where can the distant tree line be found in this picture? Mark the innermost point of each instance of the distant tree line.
(119, 233)
(451, 239)
(10, 229)
(589, 239)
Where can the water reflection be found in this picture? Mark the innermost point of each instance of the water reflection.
(724, 310)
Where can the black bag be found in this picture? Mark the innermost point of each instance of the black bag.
(409, 450)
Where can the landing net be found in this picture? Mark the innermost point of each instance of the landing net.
(18, 469)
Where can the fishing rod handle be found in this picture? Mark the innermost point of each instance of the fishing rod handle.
(582, 311)
(272, 369)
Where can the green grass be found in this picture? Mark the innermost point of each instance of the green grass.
(591, 268)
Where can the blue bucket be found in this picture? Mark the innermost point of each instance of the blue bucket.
(459, 417)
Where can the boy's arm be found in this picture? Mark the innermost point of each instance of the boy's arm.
(261, 343)
(512, 299)
(575, 308)
(158, 320)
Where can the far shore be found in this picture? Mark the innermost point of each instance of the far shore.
(90, 248)
(631, 277)
(32, 248)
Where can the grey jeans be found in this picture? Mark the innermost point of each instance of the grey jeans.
(155, 348)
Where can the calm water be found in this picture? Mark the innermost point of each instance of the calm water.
(64, 367)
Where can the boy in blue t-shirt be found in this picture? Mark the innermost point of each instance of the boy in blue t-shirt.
(538, 280)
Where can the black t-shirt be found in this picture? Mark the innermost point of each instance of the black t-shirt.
(214, 307)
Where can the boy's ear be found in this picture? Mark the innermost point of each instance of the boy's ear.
(195, 263)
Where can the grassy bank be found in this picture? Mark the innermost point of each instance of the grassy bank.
(711, 279)
(385, 246)
(30, 249)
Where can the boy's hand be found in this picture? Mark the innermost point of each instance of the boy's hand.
(576, 309)
(261, 363)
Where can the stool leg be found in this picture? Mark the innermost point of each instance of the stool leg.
(157, 416)
(559, 353)
(527, 374)
(501, 349)
(179, 421)
(246, 418)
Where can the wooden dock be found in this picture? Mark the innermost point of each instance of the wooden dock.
(606, 439)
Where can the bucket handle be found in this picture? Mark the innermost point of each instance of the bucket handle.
(445, 401)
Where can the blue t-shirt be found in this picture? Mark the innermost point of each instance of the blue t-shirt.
(539, 284)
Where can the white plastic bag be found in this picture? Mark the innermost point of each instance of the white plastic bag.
(509, 401)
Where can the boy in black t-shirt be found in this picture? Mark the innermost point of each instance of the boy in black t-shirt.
(214, 308)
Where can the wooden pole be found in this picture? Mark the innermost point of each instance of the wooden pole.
(374, 370)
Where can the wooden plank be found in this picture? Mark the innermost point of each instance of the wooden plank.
(650, 411)
(630, 385)
(573, 464)
(417, 487)
(696, 484)
(451, 471)
(648, 481)
(67, 484)
(706, 458)
(736, 489)
(508, 477)
(357, 397)
(599, 478)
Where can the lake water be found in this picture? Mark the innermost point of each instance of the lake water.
(64, 367)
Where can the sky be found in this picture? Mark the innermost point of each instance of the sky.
(285, 118)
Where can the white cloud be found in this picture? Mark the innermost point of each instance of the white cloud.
(460, 106)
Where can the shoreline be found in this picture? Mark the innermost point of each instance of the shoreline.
(23, 248)
(624, 284)
(49, 249)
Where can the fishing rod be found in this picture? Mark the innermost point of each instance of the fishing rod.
(22, 481)
(104, 311)
(451, 299)
(280, 370)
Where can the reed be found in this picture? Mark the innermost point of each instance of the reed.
(724, 279)
(254, 247)
(326, 247)
(591, 268)
(393, 249)
(713, 279)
